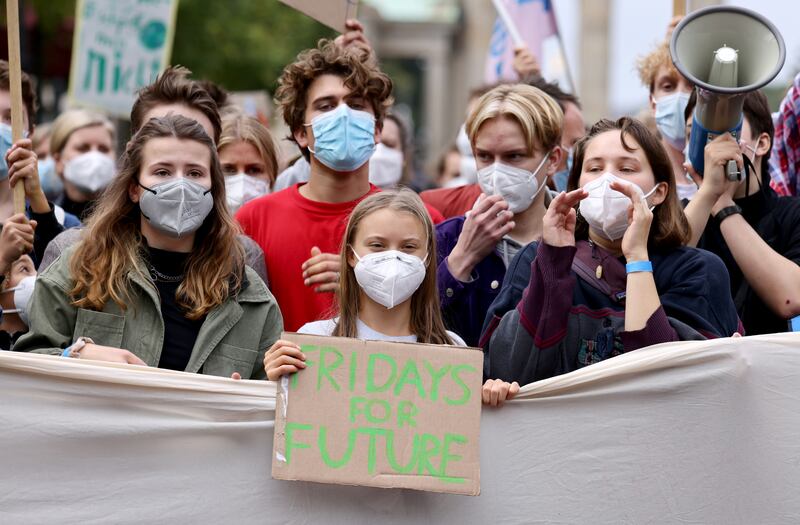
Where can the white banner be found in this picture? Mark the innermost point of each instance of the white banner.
(701, 432)
(119, 47)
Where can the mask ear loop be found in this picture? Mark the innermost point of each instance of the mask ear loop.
(748, 167)
(644, 196)
(536, 174)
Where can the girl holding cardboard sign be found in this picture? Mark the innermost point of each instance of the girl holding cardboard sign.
(388, 286)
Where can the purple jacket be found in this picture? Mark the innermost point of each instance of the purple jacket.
(464, 305)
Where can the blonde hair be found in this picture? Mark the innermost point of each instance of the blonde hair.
(426, 314)
(536, 112)
(649, 64)
(238, 127)
(41, 134)
(113, 246)
(71, 121)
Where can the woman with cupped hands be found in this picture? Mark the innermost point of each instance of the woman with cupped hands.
(612, 273)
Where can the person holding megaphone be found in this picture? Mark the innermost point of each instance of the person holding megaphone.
(755, 232)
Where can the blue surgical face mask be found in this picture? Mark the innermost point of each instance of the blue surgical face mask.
(561, 177)
(5, 145)
(344, 139)
(670, 120)
(49, 179)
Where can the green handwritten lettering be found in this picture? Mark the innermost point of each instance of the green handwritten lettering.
(371, 387)
(291, 444)
(373, 433)
(357, 404)
(446, 456)
(406, 410)
(467, 393)
(391, 455)
(325, 369)
(410, 376)
(353, 363)
(436, 377)
(310, 363)
(424, 453)
(322, 442)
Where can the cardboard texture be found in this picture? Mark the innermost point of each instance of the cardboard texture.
(380, 414)
(332, 13)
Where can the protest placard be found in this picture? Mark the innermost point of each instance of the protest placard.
(332, 13)
(119, 47)
(373, 413)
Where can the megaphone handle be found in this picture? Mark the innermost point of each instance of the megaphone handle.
(732, 171)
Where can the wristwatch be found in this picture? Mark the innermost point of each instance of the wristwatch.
(74, 350)
(724, 213)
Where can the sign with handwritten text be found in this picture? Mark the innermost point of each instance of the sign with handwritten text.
(392, 415)
(119, 47)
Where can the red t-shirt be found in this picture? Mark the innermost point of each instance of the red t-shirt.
(452, 202)
(287, 225)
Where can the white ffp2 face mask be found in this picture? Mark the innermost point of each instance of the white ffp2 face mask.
(517, 186)
(90, 172)
(389, 278)
(22, 298)
(385, 166)
(241, 188)
(605, 209)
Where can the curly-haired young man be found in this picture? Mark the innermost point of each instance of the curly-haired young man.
(669, 94)
(334, 99)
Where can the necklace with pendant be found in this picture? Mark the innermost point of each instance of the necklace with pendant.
(600, 258)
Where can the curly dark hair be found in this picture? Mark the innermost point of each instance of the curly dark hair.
(356, 66)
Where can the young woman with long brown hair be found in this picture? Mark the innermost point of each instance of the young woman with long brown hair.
(387, 281)
(159, 278)
(613, 275)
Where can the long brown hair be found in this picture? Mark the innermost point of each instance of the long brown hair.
(113, 246)
(426, 315)
(670, 228)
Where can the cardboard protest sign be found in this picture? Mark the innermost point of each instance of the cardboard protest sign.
(391, 415)
(332, 13)
(119, 47)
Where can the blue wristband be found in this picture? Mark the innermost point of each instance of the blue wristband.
(66, 351)
(639, 266)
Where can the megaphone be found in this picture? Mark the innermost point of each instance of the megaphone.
(725, 52)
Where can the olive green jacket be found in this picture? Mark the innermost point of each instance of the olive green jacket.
(233, 338)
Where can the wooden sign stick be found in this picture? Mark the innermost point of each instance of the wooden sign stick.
(15, 89)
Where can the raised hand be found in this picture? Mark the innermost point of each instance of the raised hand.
(634, 242)
(485, 225)
(525, 63)
(558, 224)
(23, 168)
(16, 239)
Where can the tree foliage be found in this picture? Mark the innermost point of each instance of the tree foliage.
(242, 44)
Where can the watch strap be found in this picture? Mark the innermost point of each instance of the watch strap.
(726, 212)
